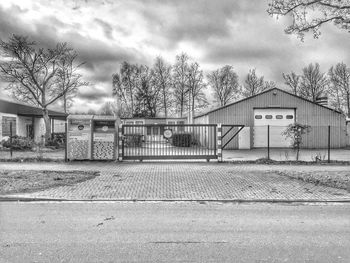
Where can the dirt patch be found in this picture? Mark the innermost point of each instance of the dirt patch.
(30, 181)
(336, 179)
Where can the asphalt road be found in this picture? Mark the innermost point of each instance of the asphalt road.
(173, 232)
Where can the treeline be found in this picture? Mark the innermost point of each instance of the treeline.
(311, 84)
(178, 89)
(161, 90)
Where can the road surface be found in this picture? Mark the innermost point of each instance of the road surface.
(173, 232)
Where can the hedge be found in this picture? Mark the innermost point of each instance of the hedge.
(182, 140)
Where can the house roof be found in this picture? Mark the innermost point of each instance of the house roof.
(23, 109)
(266, 91)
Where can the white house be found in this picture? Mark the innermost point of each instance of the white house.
(27, 120)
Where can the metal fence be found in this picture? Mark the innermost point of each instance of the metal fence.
(166, 141)
(142, 142)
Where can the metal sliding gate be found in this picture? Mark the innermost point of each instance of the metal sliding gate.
(169, 141)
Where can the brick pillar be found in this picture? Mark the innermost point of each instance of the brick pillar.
(120, 143)
(219, 134)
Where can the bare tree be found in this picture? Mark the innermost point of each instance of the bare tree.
(310, 15)
(195, 84)
(313, 84)
(270, 84)
(180, 82)
(125, 87)
(292, 80)
(253, 84)
(340, 80)
(33, 73)
(147, 97)
(68, 78)
(224, 83)
(161, 80)
(108, 108)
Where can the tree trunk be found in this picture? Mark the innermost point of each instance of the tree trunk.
(65, 103)
(47, 125)
(348, 103)
(165, 104)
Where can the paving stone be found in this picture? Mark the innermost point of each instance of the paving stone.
(185, 181)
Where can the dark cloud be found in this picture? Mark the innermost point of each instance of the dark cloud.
(92, 93)
(214, 33)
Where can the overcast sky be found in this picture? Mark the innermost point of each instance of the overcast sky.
(214, 33)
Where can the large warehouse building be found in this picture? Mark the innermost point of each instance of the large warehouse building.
(277, 109)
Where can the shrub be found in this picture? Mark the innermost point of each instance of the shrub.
(133, 140)
(295, 132)
(19, 143)
(182, 139)
(57, 140)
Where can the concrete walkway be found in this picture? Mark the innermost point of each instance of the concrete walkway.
(186, 181)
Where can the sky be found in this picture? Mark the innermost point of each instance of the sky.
(214, 33)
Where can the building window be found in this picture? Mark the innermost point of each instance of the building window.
(289, 117)
(258, 117)
(279, 117)
(6, 126)
(269, 117)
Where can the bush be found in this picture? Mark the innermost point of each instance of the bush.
(133, 140)
(57, 140)
(19, 143)
(182, 139)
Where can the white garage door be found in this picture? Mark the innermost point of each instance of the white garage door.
(278, 119)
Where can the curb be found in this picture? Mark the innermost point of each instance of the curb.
(29, 199)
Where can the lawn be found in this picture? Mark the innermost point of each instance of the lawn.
(339, 179)
(57, 155)
(30, 181)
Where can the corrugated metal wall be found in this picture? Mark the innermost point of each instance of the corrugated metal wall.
(306, 113)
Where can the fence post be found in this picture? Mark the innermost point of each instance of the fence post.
(268, 142)
(66, 142)
(120, 143)
(11, 139)
(329, 143)
(219, 139)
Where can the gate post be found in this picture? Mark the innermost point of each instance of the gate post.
(219, 139)
(120, 143)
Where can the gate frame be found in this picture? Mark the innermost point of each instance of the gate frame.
(121, 145)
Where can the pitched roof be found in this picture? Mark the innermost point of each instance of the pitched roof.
(266, 91)
(23, 109)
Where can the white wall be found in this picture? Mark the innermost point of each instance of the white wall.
(21, 125)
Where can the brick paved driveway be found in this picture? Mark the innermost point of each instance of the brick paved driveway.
(186, 181)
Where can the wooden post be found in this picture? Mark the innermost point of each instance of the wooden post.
(329, 143)
(268, 142)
